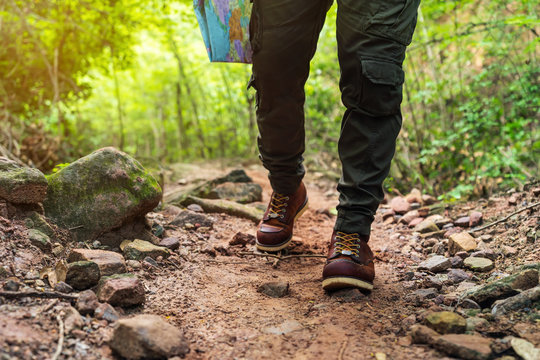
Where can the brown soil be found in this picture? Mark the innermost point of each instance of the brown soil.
(214, 299)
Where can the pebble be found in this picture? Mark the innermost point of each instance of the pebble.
(121, 290)
(242, 239)
(39, 240)
(189, 219)
(149, 261)
(409, 216)
(109, 262)
(446, 322)
(415, 222)
(475, 218)
(470, 347)
(525, 299)
(426, 226)
(31, 275)
(461, 241)
(457, 275)
(63, 287)
(525, 349)
(195, 208)
(72, 320)
(477, 324)
(478, 264)
(487, 254)
(509, 251)
(456, 261)
(171, 243)
(147, 336)
(348, 295)
(82, 275)
(428, 199)
(87, 302)
(134, 264)
(424, 294)
(139, 249)
(106, 312)
(11, 285)
(435, 264)
(400, 205)
(463, 222)
(274, 289)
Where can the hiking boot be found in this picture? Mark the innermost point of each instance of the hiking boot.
(276, 227)
(349, 263)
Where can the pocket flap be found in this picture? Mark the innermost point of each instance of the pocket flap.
(382, 72)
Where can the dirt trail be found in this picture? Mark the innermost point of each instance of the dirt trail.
(216, 300)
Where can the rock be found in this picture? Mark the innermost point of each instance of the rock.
(100, 192)
(415, 196)
(425, 294)
(469, 347)
(284, 328)
(38, 222)
(469, 304)
(171, 243)
(428, 199)
(408, 217)
(147, 337)
(63, 287)
(139, 249)
(121, 290)
(87, 302)
(435, 264)
(72, 320)
(415, 222)
(421, 334)
(149, 261)
(134, 264)
(433, 282)
(456, 275)
(195, 208)
(477, 324)
(525, 349)
(39, 240)
(456, 261)
(509, 251)
(348, 295)
(487, 254)
(462, 241)
(188, 217)
(463, 222)
(400, 205)
(478, 264)
(242, 239)
(274, 289)
(106, 312)
(82, 275)
(525, 299)
(242, 193)
(426, 226)
(21, 185)
(446, 322)
(503, 288)
(475, 218)
(109, 262)
(11, 285)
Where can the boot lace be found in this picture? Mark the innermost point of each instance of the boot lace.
(348, 244)
(278, 203)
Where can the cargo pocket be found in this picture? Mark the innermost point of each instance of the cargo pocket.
(381, 87)
(255, 27)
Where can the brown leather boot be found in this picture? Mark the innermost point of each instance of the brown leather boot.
(349, 263)
(276, 227)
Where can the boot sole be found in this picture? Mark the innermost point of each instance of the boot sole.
(336, 283)
(286, 243)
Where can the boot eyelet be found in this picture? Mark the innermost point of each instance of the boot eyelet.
(282, 216)
(287, 198)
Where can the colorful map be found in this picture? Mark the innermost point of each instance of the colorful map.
(225, 29)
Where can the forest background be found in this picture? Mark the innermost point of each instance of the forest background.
(77, 75)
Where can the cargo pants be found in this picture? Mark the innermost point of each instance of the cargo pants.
(372, 36)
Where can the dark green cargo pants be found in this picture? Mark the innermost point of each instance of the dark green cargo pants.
(372, 36)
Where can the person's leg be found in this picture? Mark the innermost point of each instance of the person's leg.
(284, 36)
(372, 38)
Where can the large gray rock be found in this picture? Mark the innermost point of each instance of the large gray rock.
(21, 185)
(524, 299)
(147, 337)
(100, 192)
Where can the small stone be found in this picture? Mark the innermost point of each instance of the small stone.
(63, 287)
(435, 264)
(171, 243)
(441, 222)
(82, 275)
(456, 275)
(139, 249)
(477, 324)
(426, 227)
(525, 349)
(87, 302)
(192, 218)
(415, 222)
(109, 262)
(380, 356)
(469, 347)
(348, 295)
(478, 264)
(463, 222)
(485, 238)
(446, 322)
(433, 282)
(149, 261)
(462, 241)
(147, 337)
(134, 264)
(487, 254)
(415, 196)
(274, 289)
(509, 251)
(527, 298)
(31, 275)
(475, 218)
(242, 239)
(428, 199)
(409, 216)
(400, 205)
(456, 261)
(11, 285)
(242, 193)
(39, 239)
(208, 249)
(195, 208)
(462, 254)
(72, 320)
(106, 312)
(96, 244)
(421, 334)
(469, 304)
(121, 290)
(58, 249)
(513, 200)
(424, 294)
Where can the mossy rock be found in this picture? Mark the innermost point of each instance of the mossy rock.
(100, 192)
(140, 249)
(21, 185)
